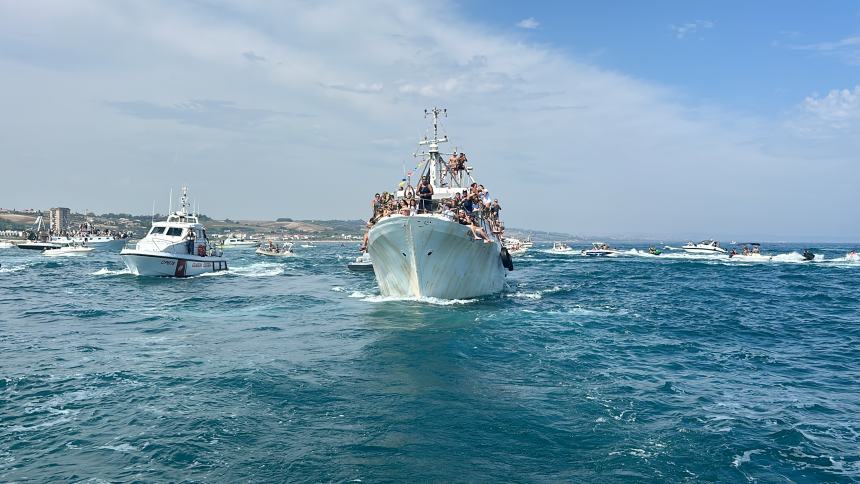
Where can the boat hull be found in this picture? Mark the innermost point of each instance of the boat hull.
(691, 250)
(429, 256)
(99, 243)
(601, 253)
(170, 265)
(39, 245)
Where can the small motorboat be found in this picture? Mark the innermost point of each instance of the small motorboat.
(514, 246)
(362, 263)
(69, 250)
(750, 254)
(654, 250)
(272, 249)
(808, 254)
(560, 247)
(704, 247)
(600, 249)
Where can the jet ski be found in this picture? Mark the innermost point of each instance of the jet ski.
(808, 255)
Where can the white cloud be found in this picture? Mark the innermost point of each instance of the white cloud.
(690, 28)
(570, 146)
(831, 115)
(847, 49)
(528, 23)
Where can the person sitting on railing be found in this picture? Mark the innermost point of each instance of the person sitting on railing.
(477, 232)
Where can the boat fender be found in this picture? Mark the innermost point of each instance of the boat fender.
(409, 193)
(507, 261)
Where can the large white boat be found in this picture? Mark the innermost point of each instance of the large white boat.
(88, 235)
(177, 247)
(239, 240)
(434, 253)
(704, 247)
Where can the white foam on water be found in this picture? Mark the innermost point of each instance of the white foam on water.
(426, 300)
(104, 271)
(535, 294)
(258, 269)
(120, 448)
(4, 270)
(338, 289)
(746, 457)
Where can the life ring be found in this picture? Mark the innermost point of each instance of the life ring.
(507, 261)
(409, 193)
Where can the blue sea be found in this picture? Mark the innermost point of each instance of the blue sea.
(631, 368)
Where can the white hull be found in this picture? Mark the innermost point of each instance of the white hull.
(68, 251)
(101, 243)
(429, 256)
(274, 254)
(704, 251)
(163, 264)
(600, 253)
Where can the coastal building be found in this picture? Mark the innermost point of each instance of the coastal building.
(60, 218)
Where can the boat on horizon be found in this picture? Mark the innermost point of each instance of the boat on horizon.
(238, 240)
(176, 247)
(428, 247)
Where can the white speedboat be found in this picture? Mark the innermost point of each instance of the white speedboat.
(704, 247)
(177, 247)
(434, 253)
(599, 249)
(274, 250)
(362, 263)
(68, 250)
(240, 240)
(560, 247)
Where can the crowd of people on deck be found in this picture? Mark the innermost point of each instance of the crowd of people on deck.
(469, 207)
(87, 230)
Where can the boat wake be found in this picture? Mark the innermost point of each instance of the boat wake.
(375, 298)
(534, 295)
(104, 271)
(258, 269)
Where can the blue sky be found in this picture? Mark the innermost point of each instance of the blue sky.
(735, 120)
(757, 56)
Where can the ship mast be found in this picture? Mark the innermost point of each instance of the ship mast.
(434, 165)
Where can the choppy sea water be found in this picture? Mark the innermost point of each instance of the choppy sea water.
(587, 370)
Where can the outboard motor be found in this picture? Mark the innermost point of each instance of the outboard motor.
(808, 255)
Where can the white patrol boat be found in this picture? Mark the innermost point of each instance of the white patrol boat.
(177, 247)
(704, 247)
(432, 254)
